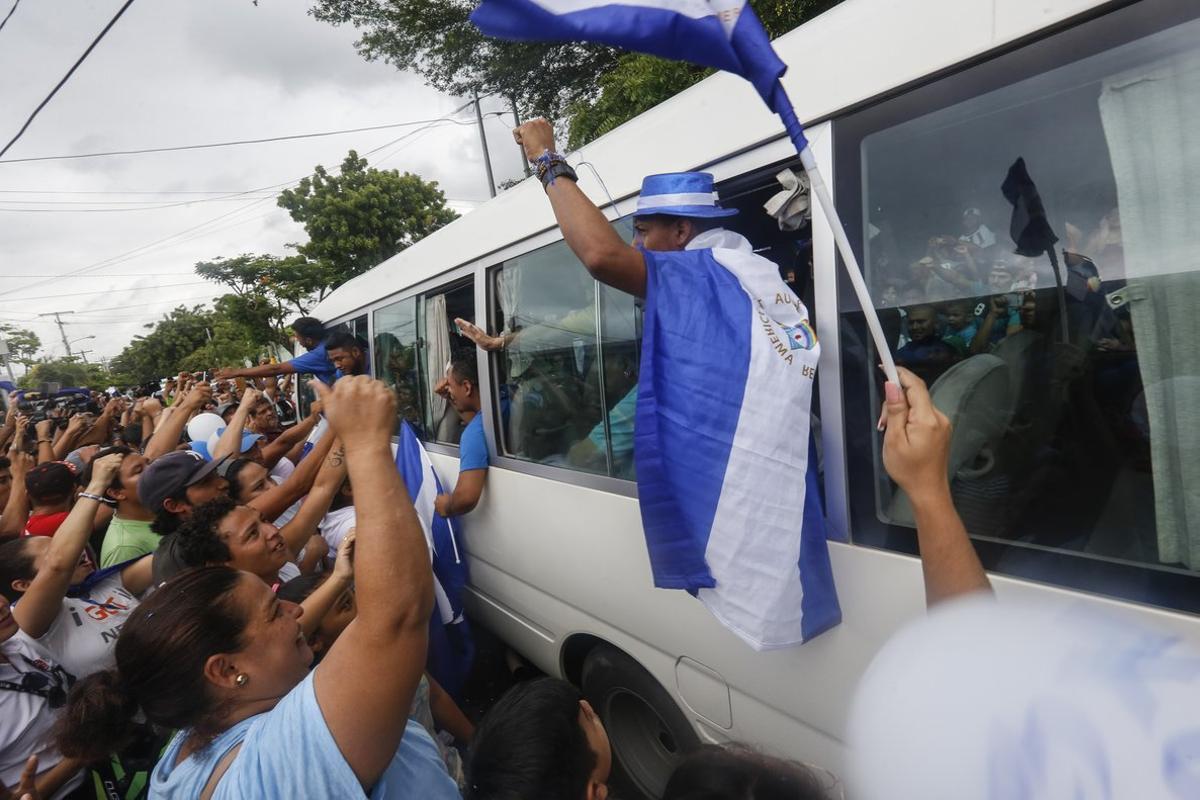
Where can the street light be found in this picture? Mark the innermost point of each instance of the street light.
(80, 339)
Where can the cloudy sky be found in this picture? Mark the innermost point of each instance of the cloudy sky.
(177, 72)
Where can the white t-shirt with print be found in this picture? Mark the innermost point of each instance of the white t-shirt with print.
(26, 719)
(84, 633)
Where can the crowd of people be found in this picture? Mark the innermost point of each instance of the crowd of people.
(237, 600)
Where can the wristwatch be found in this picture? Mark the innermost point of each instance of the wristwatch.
(558, 169)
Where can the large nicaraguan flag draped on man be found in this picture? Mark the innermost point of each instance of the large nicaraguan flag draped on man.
(726, 472)
(726, 484)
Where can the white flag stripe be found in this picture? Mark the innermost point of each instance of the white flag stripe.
(696, 9)
(681, 199)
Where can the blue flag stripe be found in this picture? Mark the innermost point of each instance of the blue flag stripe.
(682, 440)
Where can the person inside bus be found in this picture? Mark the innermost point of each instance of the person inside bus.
(216, 656)
(460, 387)
(311, 334)
(926, 353)
(543, 739)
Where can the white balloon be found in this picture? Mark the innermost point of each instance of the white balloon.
(202, 426)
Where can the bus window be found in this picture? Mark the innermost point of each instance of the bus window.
(443, 345)
(398, 358)
(1074, 456)
(621, 337)
(548, 375)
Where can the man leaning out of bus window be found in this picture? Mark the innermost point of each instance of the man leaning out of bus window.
(543, 739)
(460, 387)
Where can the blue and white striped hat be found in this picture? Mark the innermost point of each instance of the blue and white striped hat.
(680, 194)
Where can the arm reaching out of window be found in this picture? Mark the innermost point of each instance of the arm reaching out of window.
(916, 452)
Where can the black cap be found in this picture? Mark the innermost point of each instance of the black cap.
(168, 475)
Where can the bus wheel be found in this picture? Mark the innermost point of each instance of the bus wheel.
(648, 733)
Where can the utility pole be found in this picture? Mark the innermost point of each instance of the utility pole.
(61, 329)
(517, 119)
(83, 355)
(487, 159)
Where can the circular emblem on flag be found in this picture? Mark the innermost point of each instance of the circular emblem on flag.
(801, 337)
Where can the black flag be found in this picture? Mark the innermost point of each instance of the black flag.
(1030, 229)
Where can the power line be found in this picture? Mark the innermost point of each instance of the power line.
(66, 77)
(104, 291)
(143, 250)
(266, 140)
(9, 14)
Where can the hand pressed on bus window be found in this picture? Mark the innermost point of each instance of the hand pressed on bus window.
(916, 446)
(478, 335)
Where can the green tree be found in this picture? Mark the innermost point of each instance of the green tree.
(23, 345)
(66, 372)
(357, 219)
(268, 291)
(435, 39)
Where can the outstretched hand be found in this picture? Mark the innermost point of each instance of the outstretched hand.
(916, 446)
(478, 335)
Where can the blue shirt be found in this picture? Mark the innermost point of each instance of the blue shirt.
(317, 363)
(289, 752)
(472, 447)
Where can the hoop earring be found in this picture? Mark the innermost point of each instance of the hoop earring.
(241, 680)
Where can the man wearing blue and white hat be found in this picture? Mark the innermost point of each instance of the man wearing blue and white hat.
(721, 429)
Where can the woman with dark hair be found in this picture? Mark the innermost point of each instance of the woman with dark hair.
(217, 656)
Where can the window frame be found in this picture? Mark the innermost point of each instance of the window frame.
(1092, 34)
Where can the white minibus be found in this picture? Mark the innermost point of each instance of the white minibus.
(1076, 456)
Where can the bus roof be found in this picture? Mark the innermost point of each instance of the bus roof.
(843, 57)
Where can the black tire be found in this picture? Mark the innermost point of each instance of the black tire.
(648, 732)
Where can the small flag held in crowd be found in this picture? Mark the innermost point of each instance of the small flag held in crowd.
(450, 645)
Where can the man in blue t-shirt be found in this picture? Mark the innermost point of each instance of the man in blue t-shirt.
(311, 334)
(461, 390)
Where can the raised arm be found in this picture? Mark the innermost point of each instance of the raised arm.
(45, 440)
(261, 371)
(277, 499)
(303, 525)
(100, 432)
(166, 435)
(586, 230)
(43, 597)
(67, 442)
(230, 442)
(916, 450)
(286, 441)
(365, 686)
(317, 604)
(16, 510)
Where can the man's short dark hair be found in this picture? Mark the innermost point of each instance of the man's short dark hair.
(50, 483)
(342, 340)
(5, 463)
(200, 542)
(531, 744)
(464, 368)
(309, 326)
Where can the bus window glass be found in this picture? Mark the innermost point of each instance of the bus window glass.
(548, 374)
(1074, 408)
(443, 346)
(398, 359)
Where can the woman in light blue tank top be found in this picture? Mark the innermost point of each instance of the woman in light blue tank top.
(215, 655)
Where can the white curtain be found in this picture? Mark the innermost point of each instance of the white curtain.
(1151, 120)
(437, 351)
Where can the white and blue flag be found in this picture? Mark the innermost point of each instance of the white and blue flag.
(449, 566)
(725, 34)
(726, 474)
